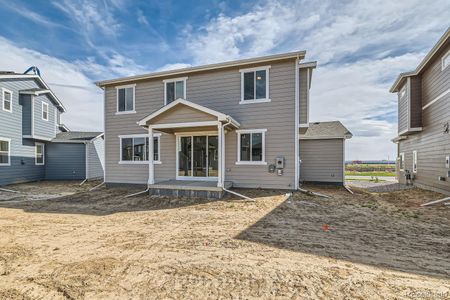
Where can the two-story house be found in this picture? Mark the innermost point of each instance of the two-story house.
(239, 123)
(34, 145)
(423, 140)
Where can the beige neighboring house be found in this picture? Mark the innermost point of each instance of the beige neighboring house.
(423, 140)
(241, 123)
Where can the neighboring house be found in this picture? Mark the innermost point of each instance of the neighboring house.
(235, 123)
(423, 140)
(322, 151)
(75, 155)
(30, 131)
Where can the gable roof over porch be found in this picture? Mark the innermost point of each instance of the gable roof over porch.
(185, 112)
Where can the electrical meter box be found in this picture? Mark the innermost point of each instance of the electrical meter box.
(272, 168)
(447, 161)
(279, 162)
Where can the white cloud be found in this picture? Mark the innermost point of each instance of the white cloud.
(141, 18)
(83, 100)
(361, 46)
(90, 17)
(174, 66)
(251, 34)
(29, 14)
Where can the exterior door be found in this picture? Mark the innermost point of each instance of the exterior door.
(197, 157)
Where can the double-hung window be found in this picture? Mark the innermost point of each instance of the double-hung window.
(135, 149)
(44, 111)
(7, 100)
(5, 152)
(174, 89)
(126, 99)
(401, 162)
(403, 92)
(414, 166)
(255, 85)
(251, 147)
(40, 154)
(446, 61)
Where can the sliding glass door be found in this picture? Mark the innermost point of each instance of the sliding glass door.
(197, 157)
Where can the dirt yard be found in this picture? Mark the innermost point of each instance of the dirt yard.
(99, 245)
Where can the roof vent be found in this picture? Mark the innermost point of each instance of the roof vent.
(33, 69)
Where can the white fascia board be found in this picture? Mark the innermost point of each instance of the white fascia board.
(220, 116)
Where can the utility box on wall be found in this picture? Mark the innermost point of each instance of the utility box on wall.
(279, 162)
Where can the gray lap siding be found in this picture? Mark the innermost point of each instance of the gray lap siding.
(322, 160)
(432, 146)
(65, 162)
(42, 128)
(22, 158)
(219, 90)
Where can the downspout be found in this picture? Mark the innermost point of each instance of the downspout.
(86, 163)
(223, 163)
(297, 122)
(151, 173)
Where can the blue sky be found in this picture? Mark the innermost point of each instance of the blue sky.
(360, 46)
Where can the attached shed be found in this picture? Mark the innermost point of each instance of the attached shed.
(75, 156)
(322, 152)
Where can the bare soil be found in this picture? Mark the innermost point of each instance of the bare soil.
(91, 245)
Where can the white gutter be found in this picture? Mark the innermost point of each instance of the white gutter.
(227, 64)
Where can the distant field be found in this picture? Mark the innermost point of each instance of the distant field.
(370, 170)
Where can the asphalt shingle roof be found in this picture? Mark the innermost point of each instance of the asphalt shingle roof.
(333, 129)
(75, 137)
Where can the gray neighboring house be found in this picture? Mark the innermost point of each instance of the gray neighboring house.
(423, 141)
(75, 155)
(34, 145)
(328, 163)
(241, 123)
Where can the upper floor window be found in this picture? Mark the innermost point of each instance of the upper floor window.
(446, 60)
(44, 111)
(125, 99)
(5, 152)
(403, 92)
(40, 154)
(251, 146)
(135, 148)
(7, 100)
(255, 85)
(174, 89)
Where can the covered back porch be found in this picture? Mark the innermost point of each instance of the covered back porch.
(199, 151)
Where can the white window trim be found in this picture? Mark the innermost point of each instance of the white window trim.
(402, 159)
(414, 160)
(166, 81)
(9, 152)
(125, 112)
(42, 111)
(402, 92)
(3, 100)
(253, 163)
(263, 68)
(35, 154)
(443, 66)
(140, 162)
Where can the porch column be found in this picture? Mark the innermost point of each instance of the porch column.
(151, 166)
(219, 151)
